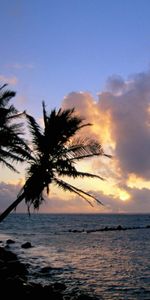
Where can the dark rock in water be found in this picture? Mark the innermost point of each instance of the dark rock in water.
(13, 284)
(36, 290)
(119, 227)
(58, 286)
(7, 247)
(9, 241)
(46, 270)
(2, 263)
(106, 228)
(16, 267)
(50, 270)
(26, 245)
(10, 266)
(7, 255)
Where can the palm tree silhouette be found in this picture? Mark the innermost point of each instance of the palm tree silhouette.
(55, 151)
(13, 148)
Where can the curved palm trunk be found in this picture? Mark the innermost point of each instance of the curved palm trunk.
(11, 207)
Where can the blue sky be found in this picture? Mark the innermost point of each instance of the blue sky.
(56, 47)
(53, 51)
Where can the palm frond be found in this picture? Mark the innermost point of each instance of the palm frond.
(35, 130)
(45, 117)
(3, 86)
(17, 115)
(10, 155)
(69, 187)
(15, 129)
(7, 164)
(5, 96)
(107, 155)
(12, 145)
(84, 149)
(85, 125)
(77, 174)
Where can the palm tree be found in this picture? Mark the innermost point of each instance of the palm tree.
(55, 152)
(13, 148)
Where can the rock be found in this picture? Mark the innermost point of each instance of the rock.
(15, 267)
(45, 270)
(7, 255)
(9, 241)
(26, 245)
(36, 290)
(2, 263)
(10, 266)
(59, 286)
(7, 247)
(106, 228)
(119, 227)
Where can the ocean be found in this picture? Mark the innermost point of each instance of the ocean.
(85, 252)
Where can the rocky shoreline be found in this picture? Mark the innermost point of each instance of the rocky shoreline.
(14, 280)
(118, 228)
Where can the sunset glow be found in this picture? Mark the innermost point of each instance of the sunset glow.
(138, 182)
(124, 196)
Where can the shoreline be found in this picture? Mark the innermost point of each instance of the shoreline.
(14, 280)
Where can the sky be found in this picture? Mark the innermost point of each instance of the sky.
(93, 55)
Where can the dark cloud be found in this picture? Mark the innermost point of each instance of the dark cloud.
(115, 84)
(130, 119)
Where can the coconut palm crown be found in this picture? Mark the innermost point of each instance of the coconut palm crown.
(13, 148)
(55, 152)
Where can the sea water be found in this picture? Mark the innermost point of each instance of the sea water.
(111, 264)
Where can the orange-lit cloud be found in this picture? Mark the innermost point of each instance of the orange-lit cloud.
(134, 181)
(87, 107)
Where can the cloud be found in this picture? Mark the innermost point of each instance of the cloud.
(130, 124)
(8, 194)
(121, 119)
(20, 66)
(87, 107)
(10, 80)
(121, 122)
